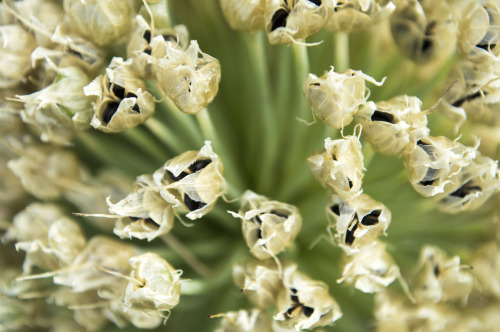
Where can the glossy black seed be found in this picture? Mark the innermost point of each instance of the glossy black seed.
(259, 233)
(382, 116)
(75, 53)
(170, 38)
(279, 19)
(316, 84)
(349, 235)
(294, 298)
(465, 190)
(350, 183)
(371, 218)
(335, 209)
(136, 108)
(193, 205)
(131, 95)
(316, 2)
(290, 311)
(437, 271)
(147, 36)
(426, 147)
(199, 165)
(459, 102)
(293, 290)
(429, 177)
(134, 218)
(177, 178)
(308, 311)
(147, 50)
(427, 45)
(257, 219)
(281, 215)
(117, 90)
(109, 111)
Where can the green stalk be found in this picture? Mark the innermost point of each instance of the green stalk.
(165, 135)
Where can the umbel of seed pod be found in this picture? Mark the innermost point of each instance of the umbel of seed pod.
(340, 168)
(144, 213)
(387, 125)
(354, 15)
(359, 221)
(289, 21)
(336, 97)
(304, 303)
(189, 77)
(246, 15)
(61, 109)
(120, 99)
(268, 226)
(253, 320)
(193, 180)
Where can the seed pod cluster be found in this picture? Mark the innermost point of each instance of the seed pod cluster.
(356, 15)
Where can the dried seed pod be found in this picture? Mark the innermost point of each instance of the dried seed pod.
(145, 213)
(154, 285)
(105, 22)
(387, 125)
(487, 268)
(304, 303)
(259, 280)
(356, 15)
(268, 226)
(17, 45)
(432, 161)
(371, 270)
(50, 239)
(290, 21)
(90, 269)
(424, 30)
(121, 316)
(358, 221)
(60, 109)
(471, 187)
(189, 77)
(246, 15)
(340, 168)
(253, 320)
(441, 278)
(121, 101)
(192, 180)
(336, 97)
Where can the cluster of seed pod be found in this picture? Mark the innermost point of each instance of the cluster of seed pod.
(192, 182)
(292, 21)
(300, 302)
(101, 279)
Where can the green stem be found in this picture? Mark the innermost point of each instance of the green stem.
(340, 51)
(163, 133)
(141, 140)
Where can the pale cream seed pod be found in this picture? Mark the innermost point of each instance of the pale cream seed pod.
(121, 316)
(193, 180)
(486, 264)
(190, 78)
(336, 97)
(260, 281)
(340, 168)
(359, 221)
(268, 226)
(304, 303)
(291, 21)
(252, 320)
(387, 125)
(246, 15)
(120, 98)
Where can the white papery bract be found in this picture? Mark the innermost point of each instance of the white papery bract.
(336, 97)
(247, 15)
(359, 221)
(294, 20)
(154, 284)
(387, 125)
(60, 109)
(431, 162)
(441, 278)
(260, 281)
(371, 270)
(193, 179)
(17, 45)
(354, 15)
(253, 320)
(268, 226)
(120, 99)
(190, 78)
(486, 268)
(304, 303)
(340, 168)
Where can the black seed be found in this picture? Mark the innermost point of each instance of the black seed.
(427, 45)
(199, 165)
(281, 215)
(131, 95)
(136, 108)
(177, 178)
(437, 271)
(147, 50)
(421, 143)
(465, 190)
(460, 101)
(290, 311)
(382, 116)
(117, 90)
(147, 36)
(350, 183)
(335, 209)
(308, 311)
(427, 183)
(170, 38)
(316, 84)
(279, 19)
(429, 177)
(293, 290)
(134, 218)
(426, 147)
(349, 235)
(257, 220)
(316, 2)
(259, 233)
(294, 298)
(193, 205)
(75, 53)
(371, 218)
(109, 111)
